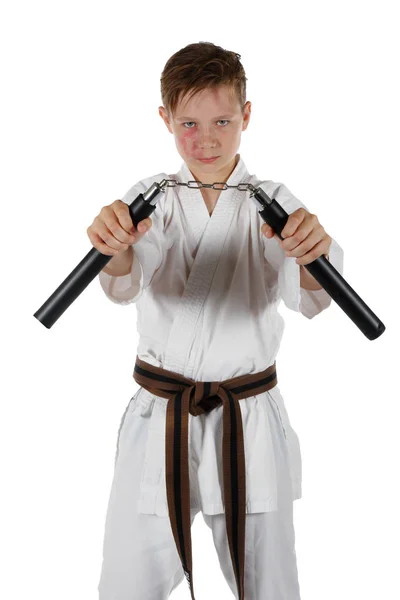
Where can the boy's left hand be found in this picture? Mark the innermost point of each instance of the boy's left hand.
(304, 237)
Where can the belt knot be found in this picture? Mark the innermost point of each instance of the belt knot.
(204, 397)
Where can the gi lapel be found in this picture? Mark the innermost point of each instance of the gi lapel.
(210, 233)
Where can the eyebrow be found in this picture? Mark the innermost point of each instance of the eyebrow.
(193, 119)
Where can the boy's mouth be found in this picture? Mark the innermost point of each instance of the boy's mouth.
(211, 159)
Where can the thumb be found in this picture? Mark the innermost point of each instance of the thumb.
(267, 230)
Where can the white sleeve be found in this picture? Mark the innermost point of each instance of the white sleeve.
(148, 253)
(284, 268)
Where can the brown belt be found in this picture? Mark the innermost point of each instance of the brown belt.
(186, 395)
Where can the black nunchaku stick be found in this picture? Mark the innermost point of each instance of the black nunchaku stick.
(324, 272)
(94, 261)
(270, 211)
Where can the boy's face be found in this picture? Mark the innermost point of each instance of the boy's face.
(209, 125)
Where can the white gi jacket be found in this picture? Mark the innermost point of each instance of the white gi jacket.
(207, 289)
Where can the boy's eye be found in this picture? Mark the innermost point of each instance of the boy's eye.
(219, 121)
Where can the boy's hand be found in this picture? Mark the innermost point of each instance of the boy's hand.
(304, 237)
(113, 231)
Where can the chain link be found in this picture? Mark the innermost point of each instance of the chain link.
(243, 187)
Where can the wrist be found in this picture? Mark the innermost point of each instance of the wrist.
(120, 264)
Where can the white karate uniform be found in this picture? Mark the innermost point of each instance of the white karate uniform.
(207, 290)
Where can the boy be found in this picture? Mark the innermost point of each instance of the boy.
(207, 275)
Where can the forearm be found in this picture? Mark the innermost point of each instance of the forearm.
(307, 281)
(120, 264)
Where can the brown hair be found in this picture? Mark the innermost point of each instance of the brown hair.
(201, 66)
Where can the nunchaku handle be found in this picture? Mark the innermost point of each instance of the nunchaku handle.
(85, 271)
(329, 278)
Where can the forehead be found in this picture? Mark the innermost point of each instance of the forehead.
(208, 103)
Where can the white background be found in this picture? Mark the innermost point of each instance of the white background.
(79, 126)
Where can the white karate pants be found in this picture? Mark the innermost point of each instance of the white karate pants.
(140, 559)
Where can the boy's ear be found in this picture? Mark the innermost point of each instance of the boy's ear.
(163, 114)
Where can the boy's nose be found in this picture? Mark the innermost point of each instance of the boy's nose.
(206, 137)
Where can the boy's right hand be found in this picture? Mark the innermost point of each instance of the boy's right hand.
(113, 232)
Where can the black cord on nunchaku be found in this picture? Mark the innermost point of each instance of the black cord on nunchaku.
(270, 211)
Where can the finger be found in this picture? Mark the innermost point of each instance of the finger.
(268, 231)
(313, 254)
(144, 225)
(299, 236)
(306, 245)
(294, 221)
(99, 244)
(111, 220)
(124, 219)
(108, 236)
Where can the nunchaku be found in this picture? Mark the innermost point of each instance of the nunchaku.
(269, 210)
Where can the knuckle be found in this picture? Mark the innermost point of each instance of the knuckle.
(121, 207)
(103, 248)
(127, 237)
(129, 226)
(112, 226)
(121, 213)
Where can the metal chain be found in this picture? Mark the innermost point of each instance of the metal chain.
(243, 187)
